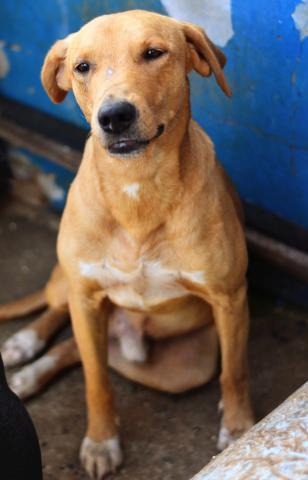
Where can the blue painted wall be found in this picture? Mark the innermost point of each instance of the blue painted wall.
(261, 134)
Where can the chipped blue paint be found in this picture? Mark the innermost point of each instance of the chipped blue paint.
(261, 134)
(300, 17)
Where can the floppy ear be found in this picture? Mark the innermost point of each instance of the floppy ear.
(54, 75)
(205, 57)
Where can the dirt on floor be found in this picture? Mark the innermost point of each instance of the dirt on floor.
(164, 436)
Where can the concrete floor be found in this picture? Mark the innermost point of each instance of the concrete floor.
(169, 437)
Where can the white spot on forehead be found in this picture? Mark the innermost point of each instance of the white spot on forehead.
(132, 190)
(109, 71)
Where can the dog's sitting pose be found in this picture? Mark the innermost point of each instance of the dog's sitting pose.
(172, 364)
(152, 224)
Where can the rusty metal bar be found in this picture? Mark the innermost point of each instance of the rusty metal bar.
(289, 259)
(39, 144)
(274, 449)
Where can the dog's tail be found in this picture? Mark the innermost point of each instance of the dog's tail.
(23, 306)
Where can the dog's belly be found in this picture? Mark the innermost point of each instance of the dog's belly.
(176, 317)
(148, 286)
(149, 298)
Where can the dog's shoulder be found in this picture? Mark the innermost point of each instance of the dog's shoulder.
(209, 177)
(201, 144)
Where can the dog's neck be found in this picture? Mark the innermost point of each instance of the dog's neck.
(140, 193)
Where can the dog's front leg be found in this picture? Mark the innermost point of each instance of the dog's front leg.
(100, 450)
(232, 321)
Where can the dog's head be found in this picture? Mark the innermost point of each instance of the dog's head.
(128, 72)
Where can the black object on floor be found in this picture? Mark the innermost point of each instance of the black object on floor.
(20, 455)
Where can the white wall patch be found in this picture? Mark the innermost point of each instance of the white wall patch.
(213, 15)
(300, 17)
(49, 186)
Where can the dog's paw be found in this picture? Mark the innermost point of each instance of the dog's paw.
(100, 458)
(30, 379)
(24, 383)
(220, 406)
(21, 347)
(226, 436)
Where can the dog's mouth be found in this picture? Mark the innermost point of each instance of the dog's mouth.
(126, 146)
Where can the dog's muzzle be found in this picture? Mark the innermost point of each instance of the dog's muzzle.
(126, 146)
(118, 122)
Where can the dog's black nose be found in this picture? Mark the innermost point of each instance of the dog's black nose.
(116, 117)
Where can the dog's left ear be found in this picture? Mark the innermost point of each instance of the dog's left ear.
(204, 56)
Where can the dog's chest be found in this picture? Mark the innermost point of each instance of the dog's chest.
(144, 285)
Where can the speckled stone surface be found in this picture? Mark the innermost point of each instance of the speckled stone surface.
(276, 448)
(164, 437)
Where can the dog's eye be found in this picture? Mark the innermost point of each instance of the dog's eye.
(153, 53)
(83, 67)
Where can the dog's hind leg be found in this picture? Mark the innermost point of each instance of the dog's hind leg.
(28, 342)
(23, 306)
(32, 378)
(175, 364)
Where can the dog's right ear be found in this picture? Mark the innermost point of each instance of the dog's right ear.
(54, 75)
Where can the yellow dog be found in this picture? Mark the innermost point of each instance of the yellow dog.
(152, 231)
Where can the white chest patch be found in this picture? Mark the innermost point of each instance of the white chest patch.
(149, 284)
(132, 190)
(195, 277)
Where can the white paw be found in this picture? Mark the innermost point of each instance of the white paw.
(100, 458)
(28, 380)
(220, 406)
(24, 382)
(21, 347)
(133, 348)
(225, 438)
